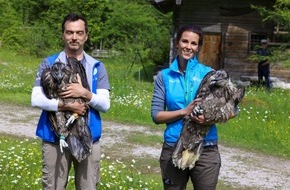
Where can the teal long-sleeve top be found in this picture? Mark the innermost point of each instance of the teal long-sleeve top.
(174, 90)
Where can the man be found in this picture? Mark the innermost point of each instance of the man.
(56, 165)
(263, 65)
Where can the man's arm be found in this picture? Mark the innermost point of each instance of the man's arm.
(38, 98)
(100, 100)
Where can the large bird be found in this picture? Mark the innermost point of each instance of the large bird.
(219, 100)
(71, 128)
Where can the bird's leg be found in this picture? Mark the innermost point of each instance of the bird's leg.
(71, 119)
(62, 143)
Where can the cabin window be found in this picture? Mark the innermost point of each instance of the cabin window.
(255, 41)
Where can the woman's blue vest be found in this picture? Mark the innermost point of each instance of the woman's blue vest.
(180, 90)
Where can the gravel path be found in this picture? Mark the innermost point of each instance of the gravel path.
(242, 169)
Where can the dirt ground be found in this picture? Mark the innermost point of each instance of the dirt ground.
(241, 169)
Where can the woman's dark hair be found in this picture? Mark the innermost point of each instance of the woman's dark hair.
(190, 28)
(74, 17)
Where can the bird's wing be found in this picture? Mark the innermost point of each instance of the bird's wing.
(204, 86)
(47, 83)
(79, 69)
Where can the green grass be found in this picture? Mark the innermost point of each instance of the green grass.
(263, 123)
(130, 95)
(20, 168)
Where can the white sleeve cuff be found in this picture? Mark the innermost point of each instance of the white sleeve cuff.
(101, 100)
(38, 99)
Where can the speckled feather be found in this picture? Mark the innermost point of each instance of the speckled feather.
(77, 134)
(219, 99)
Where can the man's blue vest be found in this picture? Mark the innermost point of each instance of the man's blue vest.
(44, 129)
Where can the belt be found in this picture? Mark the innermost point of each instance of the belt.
(210, 146)
(206, 145)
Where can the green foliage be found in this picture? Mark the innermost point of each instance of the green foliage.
(279, 57)
(134, 27)
(20, 168)
(9, 16)
(146, 37)
(93, 10)
(33, 40)
(278, 14)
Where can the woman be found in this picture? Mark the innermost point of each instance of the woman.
(174, 95)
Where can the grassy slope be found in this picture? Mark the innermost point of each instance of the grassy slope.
(262, 124)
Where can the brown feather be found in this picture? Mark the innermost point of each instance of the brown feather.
(78, 137)
(219, 98)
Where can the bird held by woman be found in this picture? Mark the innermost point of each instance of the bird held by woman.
(219, 98)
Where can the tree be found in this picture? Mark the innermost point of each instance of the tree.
(137, 29)
(129, 26)
(280, 15)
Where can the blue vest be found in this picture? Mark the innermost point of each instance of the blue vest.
(180, 90)
(44, 129)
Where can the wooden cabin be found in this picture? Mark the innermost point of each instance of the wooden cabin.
(232, 30)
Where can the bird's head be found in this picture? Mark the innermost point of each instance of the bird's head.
(58, 71)
(220, 78)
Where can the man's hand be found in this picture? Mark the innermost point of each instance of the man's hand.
(73, 90)
(75, 107)
(76, 90)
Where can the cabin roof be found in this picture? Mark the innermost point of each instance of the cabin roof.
(164, 6)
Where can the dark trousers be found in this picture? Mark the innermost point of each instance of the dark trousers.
(262, 72)
(204, 175)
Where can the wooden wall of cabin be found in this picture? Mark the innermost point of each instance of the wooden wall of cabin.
(234, 23)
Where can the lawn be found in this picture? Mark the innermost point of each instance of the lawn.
(263, 123)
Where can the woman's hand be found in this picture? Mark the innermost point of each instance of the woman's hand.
(188, 110)
(200, 119)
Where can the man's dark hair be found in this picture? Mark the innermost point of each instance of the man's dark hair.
(191, 28)
(74, 17)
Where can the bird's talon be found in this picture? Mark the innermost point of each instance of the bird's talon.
(72, 119)
(62, 143)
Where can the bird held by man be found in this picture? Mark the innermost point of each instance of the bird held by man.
(71, 128)
(219, 100)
